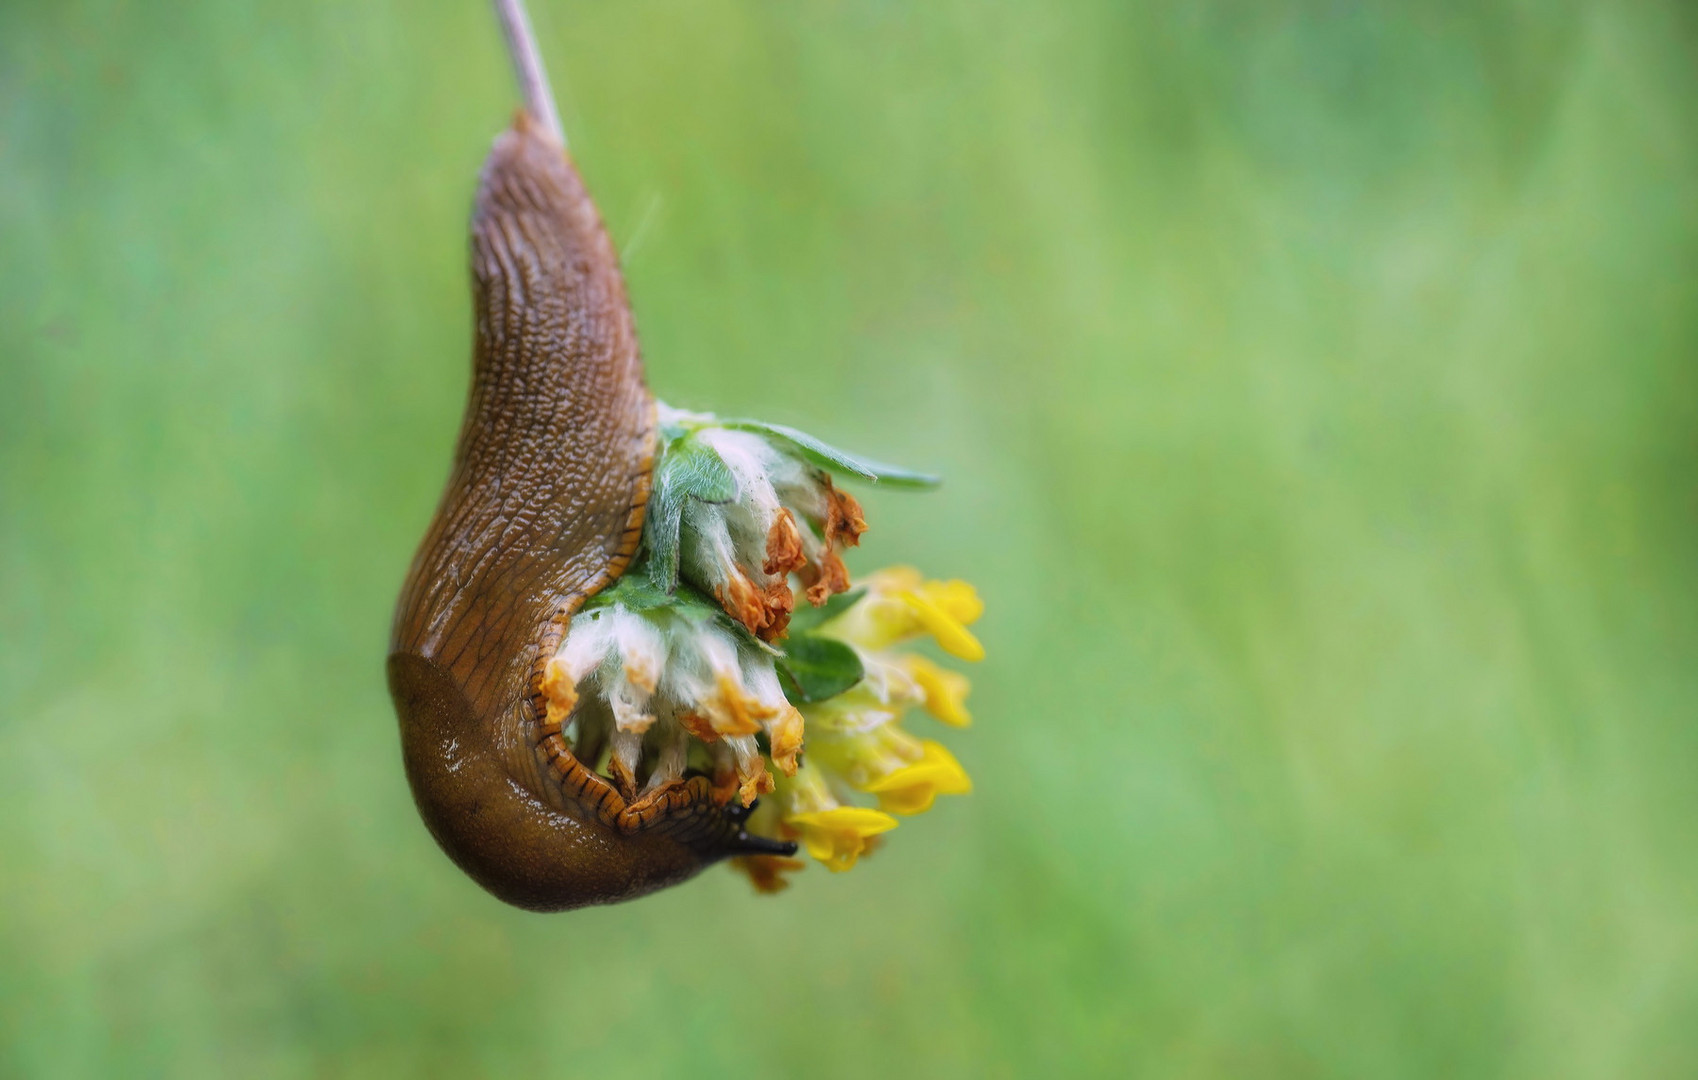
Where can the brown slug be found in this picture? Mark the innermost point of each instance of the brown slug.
(597, 659)
(544, 507)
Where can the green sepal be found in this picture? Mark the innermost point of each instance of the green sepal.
(814, 668)
(826, 456)
(687, 470)
(633, 591)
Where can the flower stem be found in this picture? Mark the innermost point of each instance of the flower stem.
(527, 65)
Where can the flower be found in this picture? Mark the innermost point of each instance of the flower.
(945, 691)
(862, 743)
(838, 836)
(623, 671)
(900, 606)
(698, 659)
(911, 789)
(779, 515)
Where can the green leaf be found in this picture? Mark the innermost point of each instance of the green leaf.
(687, 470)
(634, 591)
(827, 456)
(808, 617)
(638, 591)
(814, 668)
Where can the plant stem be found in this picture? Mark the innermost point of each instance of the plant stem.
(527, 65)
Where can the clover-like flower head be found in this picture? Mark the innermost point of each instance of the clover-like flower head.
(700, 658)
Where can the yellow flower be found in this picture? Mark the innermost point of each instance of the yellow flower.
(912, 788)
(955, 598)
(862, 750)
(837, 837)
(951, 633)
(900, 604)
(945, 690)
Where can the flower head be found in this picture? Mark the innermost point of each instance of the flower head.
(754, 513)
(698, 659)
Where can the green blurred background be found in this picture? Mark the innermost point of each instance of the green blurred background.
(1316, 387)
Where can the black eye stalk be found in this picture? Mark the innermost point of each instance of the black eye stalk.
(747, 843)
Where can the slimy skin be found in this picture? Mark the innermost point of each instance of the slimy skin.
(543, 509)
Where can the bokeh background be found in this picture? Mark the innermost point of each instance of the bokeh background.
(1316, 387)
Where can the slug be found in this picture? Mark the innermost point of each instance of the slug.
(544, 508)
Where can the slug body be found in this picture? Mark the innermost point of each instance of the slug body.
(544, 507)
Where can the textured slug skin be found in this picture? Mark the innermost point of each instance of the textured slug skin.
(543, 508)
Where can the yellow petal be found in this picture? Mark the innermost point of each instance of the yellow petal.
(909, 798)
(951, 635)
(912, 788)
(957, 598)
(952, 778)
(785, 737)
(837, 837)
(945, 690)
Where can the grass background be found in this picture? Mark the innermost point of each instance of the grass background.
(1316, 387)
